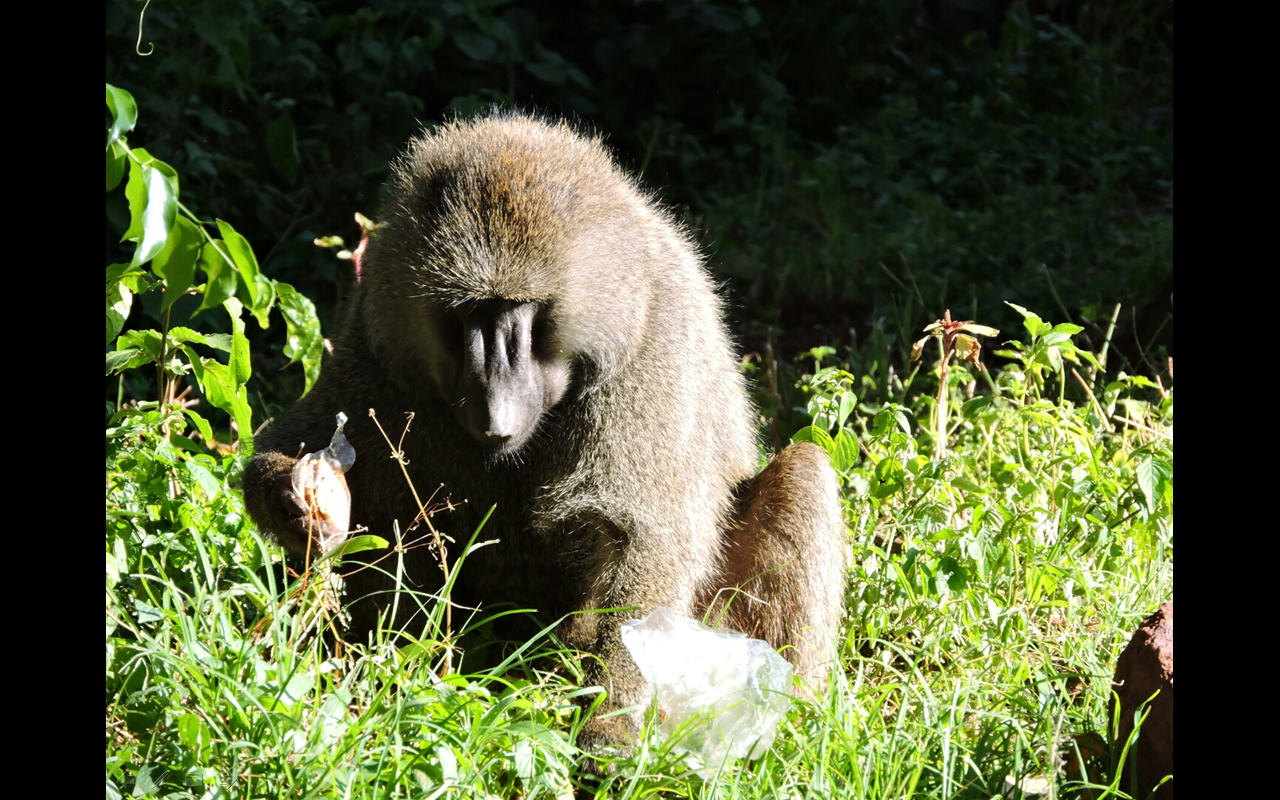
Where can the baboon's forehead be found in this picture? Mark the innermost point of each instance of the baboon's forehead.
(493, 208)
(514, 180)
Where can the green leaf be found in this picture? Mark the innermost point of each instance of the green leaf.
(303, 341)
(1067, 328)
(157, 213)
(889, 477)
(220, 390)
(150, 776)
(1144, 470)
(282, 146)
(119, 303)
(242, 256)
(220, 275)
(202, 424)
(116, 160)
(239, 363)
(971, 408)
(964, 484)
(177, 262)
(844, 450)
(848, 400)
(124, 113)
(180, 335)
(135, 191)
(147, 340)
(128, 358)
(814, 434)
(203, 478)
(356, 544)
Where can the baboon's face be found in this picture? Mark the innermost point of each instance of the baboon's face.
(509, 370)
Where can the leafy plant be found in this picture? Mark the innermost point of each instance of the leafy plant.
(170, 242)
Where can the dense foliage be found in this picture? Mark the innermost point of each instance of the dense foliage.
(837, 155)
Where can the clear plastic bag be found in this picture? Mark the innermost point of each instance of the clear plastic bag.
(723, 693)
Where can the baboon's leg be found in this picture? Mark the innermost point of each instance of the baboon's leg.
(785, 561)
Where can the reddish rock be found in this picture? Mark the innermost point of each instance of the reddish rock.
(1146, 666)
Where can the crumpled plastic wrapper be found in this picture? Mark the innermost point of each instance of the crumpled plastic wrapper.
(320, 485)
(738, 688)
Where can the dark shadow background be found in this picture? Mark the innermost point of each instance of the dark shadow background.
(855, 167)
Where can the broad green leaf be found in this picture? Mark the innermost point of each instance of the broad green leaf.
(150, 776)
(123, 273)
(1054, 356)
(148, 340)
(119, 303)
(303, 342)
(218, 341)
(356, 544)
(202, 425)
(157, 215)
(242, 256)
(208, 484)
(135, 191)
(180, 335)
(848, 400)
(964, 484)
(282, 146)
(1056, 338)
(971, 408)
(124, 113)
(239, 362)
(177, 262)
(128, 358)
(814, 434)
(220, 275)
(220, 390)
(193, 733)
(844, 450)
(889, 477)
(116, 161)
(1067, 328)
(1144, 470)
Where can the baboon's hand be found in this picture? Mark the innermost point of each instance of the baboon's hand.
(274, 506)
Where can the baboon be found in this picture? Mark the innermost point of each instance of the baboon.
(563, 349)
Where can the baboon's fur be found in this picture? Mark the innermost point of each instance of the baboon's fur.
(636, 485)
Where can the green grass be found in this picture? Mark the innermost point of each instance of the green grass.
(992, 588)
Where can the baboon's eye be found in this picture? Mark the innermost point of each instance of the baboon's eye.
(453, 332)
(543, 344)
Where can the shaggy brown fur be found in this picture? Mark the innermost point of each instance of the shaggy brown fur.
(565, 354)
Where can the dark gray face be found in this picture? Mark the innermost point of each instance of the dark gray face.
(511, 371)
